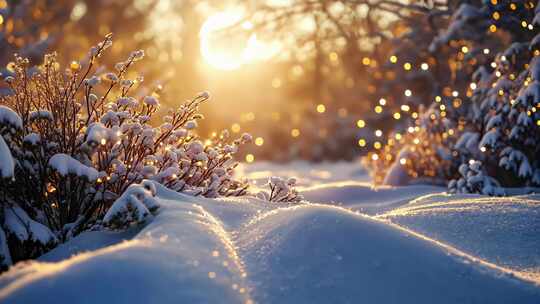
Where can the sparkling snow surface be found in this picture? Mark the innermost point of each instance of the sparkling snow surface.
(352, 244)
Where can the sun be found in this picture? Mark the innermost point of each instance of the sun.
(224, 52)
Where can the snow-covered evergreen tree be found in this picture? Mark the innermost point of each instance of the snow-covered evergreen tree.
(494, 121)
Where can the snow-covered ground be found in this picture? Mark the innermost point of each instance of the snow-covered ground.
(352, 244)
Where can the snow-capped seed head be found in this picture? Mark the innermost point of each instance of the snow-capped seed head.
(92, 98)
(291, 181)
(181, 133)
(196, 147)
(111, 77)
(151, 101)
(105, 44)
(220, 171)
(9, 79)
(93, 51)
(201, 157)
(136, 55)
(204, 95)
(212, 153)
(246, 138)
(166, 126)
(190, 125)
(92, 81)
(230, 149)
(126, 83)
(167, 118)
(275, 180)
(120, 66)
(123, 101)
(144, 118)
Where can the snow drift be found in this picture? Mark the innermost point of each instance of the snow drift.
(243, 250)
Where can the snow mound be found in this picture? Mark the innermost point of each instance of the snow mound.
(324, 254)
(242, 250)
(501, 230)
(182, 256)
(365, 197)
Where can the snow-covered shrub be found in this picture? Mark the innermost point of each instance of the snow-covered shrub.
(495, 118)
(134, 206)
(72, 141)
(281, 190)
(420, 154)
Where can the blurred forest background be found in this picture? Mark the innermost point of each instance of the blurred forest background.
(320, 79)
(305, 77)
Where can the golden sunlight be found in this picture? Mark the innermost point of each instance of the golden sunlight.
(229, 53)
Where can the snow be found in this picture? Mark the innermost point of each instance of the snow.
(134, 205)
(489, 139)
(32, 139)
(500, 230)
(98, 133)
(535, 70)
(469, 140)
(397, 175)
(5, 256)
(7, 165)
(524, 119)
(493, 121)
(19, 224)
(10, 117)
(531, 92)
(190, 125)
(151, 101)
(438, 248)
(65, 164)
(41, 114)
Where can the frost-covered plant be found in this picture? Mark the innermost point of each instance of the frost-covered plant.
(73, 141)
(281, 190)
(420, 154)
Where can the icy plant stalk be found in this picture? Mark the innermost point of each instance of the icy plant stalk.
(281, 190)
(72, 141)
